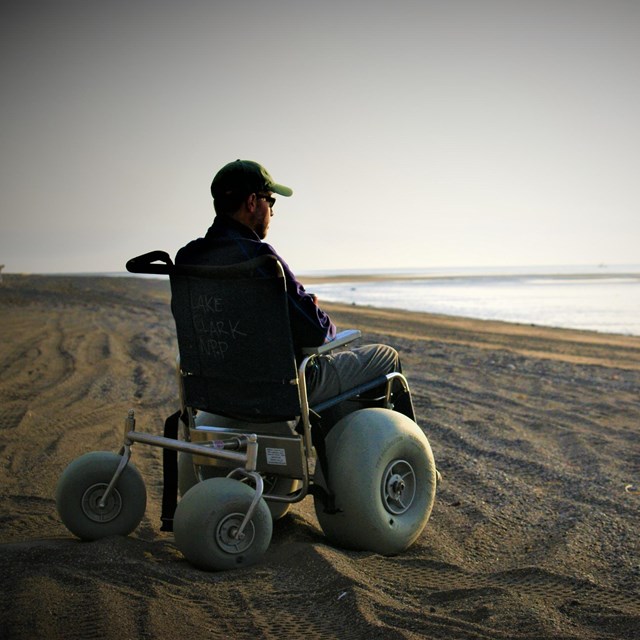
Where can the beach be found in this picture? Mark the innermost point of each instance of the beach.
(534, 533)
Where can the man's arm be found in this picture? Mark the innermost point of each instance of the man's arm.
(310, 325)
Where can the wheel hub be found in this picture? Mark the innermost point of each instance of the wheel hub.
(227, 534)
(398, 487)
(91, 503)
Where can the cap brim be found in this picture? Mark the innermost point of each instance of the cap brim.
(281, 190)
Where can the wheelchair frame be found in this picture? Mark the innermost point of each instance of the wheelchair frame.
(237, 445)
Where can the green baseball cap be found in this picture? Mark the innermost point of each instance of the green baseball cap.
(245, 176)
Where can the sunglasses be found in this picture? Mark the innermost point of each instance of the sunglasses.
(270, 199)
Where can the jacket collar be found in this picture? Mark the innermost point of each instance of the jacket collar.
(228, 226)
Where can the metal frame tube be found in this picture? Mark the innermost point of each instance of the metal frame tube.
(259, 482)
(198, 449)
(304, 405)
(124, 461)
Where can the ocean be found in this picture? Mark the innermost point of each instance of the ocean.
(603, 298)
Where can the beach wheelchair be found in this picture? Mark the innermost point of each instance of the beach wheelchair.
(246, 445)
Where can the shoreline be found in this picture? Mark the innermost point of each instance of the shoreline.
(528, 339)
(604, 304)
(456, 317)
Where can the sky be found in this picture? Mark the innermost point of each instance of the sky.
(414, 133)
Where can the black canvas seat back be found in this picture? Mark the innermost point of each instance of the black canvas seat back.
(234, 338)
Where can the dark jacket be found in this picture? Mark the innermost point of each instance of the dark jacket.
(229, 242)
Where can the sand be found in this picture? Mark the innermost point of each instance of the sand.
(534, 533)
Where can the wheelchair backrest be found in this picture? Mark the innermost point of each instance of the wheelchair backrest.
(234, 337)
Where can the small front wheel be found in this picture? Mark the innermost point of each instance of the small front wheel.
(273, 484)
(207, 520)
(80, 490)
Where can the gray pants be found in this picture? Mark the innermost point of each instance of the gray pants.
(335, 373)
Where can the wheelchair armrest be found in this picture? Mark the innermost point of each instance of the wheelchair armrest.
(341, 339)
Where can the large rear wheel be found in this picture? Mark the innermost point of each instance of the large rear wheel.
(383, 475)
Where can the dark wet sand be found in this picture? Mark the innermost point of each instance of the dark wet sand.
(534, 533)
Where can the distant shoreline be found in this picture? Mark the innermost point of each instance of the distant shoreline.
(570, 272)
(390, 277)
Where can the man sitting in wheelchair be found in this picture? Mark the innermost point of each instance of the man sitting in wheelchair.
(243, 198)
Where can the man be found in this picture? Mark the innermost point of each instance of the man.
(243, 200)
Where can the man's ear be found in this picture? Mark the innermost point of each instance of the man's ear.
(251, 202)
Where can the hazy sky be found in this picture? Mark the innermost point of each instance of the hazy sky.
(414, 133)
